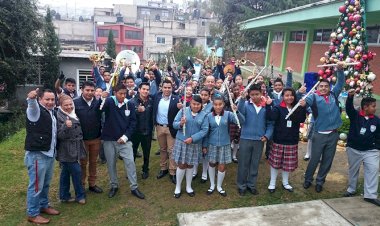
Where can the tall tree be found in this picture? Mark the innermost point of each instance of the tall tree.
(19, 39)
(111, 45)
(50, 49)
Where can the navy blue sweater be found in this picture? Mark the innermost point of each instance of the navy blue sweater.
(283, 134)
(366, 141)
(118, 121)
(89, 117)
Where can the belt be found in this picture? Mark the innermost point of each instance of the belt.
(161, 125)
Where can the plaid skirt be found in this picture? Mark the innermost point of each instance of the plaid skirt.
(234, 133)
(284, 157)
(221, 154)
(186, 153)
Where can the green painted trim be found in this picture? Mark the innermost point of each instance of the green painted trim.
(315, 13)
(306, 54)
(269, 48)
(377, 97)
(284, 50)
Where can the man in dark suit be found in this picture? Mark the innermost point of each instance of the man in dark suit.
(165, 108)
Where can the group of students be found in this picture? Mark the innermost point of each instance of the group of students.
(195, 123)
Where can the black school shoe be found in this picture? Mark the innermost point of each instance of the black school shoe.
(95, 189)
(373, 201)
(138, 193)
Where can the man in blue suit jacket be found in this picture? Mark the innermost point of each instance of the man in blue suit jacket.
(165, 108)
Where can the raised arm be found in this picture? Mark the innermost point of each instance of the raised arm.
(350, 110)
(340, 82)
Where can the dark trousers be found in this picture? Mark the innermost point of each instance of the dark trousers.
(323, 145)
(249, 158)
(73, 170)
(146, 143)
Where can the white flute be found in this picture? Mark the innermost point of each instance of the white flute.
(249, 84)
(303, 98)
(184, 108)
(231, 102)
(332, 65)
(107, 90)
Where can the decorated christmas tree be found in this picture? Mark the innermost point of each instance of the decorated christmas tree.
(349, 44)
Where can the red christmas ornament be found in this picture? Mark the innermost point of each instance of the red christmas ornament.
(365, 57)
(358, 66)
(328, 72)
(342, 9)
(321, 72)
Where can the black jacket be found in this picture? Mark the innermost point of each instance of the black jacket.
(144, 119)
(89, 117)
(283, 134)
(362, 141)
(173, 110)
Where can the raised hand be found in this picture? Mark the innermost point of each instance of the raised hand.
(302, 89)
(351, 92)
(33, 94)
(289, 69)
(269, 101)
(302, 103)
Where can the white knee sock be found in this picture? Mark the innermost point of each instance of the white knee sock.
(189, 178)
(195, 169)
(211, 172)
(234, 149)
(285, 180)
(180, 173)
(273, 177)
(204, 169)
(220, 180)
(308, 149)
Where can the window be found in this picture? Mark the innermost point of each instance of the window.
(203, 23)
(104, 33)
(326, 35)
(181, 25)
(145, 12)
(322, 35)
(278, 37)
(161, 40)
(373, 35)
(83, 75)
(165, 14)
(133, 35)
(298, 36)
(318, 35)
(136, 49)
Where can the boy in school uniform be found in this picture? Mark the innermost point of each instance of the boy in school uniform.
(362, 146)
(255, 131)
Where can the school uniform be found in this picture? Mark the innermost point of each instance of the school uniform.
(284, 153)
(217, 141)
(188, 154)
(363, 147)
(327, 120)
(196, 128)
(254, 126)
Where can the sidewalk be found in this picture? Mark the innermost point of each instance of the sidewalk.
(339, 211)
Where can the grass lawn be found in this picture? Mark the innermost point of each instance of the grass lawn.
(159, 207)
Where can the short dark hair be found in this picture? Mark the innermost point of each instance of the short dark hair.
(87, 83)
(278, 80)
(255, 87)
(144, 84)
(107, 71)
(70, 80)
(167, 81)
(205, 89)
(324, 80)
(366, 101)
(42, 92)
(129, 77)
(119, 87)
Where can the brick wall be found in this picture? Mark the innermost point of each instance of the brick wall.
(258, 57)
(295, 56)
(276, 51)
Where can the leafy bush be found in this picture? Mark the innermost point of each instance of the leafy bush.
(346, 123)
(13, 124)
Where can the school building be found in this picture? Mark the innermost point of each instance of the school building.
(299, 37)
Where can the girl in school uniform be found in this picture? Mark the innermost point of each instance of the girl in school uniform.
(206, 107)
(284, 152)
(217, 143)
(188, 144)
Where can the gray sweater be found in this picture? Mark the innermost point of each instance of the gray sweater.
(70, 147)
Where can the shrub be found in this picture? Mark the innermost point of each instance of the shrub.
(13, 124)
(346, 123)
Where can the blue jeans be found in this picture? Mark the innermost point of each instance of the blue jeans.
(40, 170)
(72, 169)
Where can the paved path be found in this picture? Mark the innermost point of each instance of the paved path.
(337, 212)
